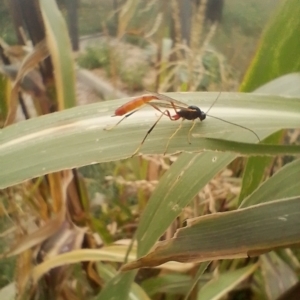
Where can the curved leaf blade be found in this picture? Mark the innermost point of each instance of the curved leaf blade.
(224, 283)
(176, 189)
(245, 232)
(283, 184)
(75, 137)
(59, 45)
(276, 53)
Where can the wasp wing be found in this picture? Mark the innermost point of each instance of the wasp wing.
(166, 102)
(173, 105)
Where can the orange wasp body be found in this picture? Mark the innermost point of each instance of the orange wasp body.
(162, 104)
(134, 104)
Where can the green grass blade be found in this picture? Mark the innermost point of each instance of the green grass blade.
(255, 169)
(242, 233)
(283, 184)
(254, 172)
(218, 287)
(75, 137)
(61, 55)
(186, 177)
(278, 52)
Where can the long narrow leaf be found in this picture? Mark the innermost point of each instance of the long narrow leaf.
(59, 46)
(75, 137)
(176, 189)
(283, 184)
(245, 232)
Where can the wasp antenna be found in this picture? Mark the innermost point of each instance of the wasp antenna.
(236, 125)
(213, 103)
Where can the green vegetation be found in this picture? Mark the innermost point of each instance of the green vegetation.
(114, 63)
(96, 57)
(249, 16)
(6, 27)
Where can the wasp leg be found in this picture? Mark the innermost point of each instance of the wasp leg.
(179, 127)
(190, 131)
(148, 132)
(126, 116)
